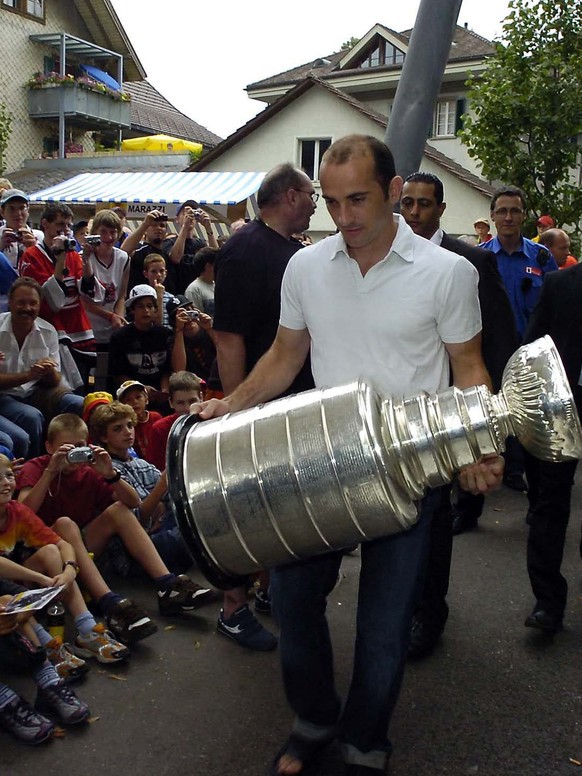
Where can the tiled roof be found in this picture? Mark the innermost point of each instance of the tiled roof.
(303, 86)
(152, 114)
(466, 45)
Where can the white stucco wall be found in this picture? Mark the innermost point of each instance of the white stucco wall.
(319, 114)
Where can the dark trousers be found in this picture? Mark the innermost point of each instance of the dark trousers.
(387, 591)
(549, 495)
(514, 462)
(432, 605)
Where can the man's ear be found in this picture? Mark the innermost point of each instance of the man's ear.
(395, 189)
(442, 208)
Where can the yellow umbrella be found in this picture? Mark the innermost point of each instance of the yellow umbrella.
(160, 143)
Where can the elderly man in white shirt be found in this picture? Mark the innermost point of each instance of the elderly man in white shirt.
(31, 387)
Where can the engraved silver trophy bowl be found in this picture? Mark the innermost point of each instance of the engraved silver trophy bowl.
(329, 468)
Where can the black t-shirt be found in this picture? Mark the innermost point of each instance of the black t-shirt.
(140, 355)
(182, 274)
(247, 293)
(136, 275)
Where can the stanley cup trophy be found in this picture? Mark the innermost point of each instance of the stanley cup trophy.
(326, 469)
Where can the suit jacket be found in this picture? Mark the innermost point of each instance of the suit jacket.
(559, 314)
(499, 338)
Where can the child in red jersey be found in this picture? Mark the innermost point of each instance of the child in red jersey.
(134, 394)
(185, 388)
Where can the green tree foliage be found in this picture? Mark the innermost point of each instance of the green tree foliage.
(528, 107)
(348, 44)
(5, 130)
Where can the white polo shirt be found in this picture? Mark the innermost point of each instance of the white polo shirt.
(388, 327)
(41, 342)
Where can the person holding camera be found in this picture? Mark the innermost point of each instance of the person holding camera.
(148, 238)
(183, 247)
(110, 266)
(15, 234)
(31, 387)
(65, 277)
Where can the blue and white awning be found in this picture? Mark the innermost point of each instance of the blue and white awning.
(207, 188)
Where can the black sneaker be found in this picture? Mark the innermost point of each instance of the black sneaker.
(60, 700)
(184, 595)
(244, 628)
(20, 719)
(262, 601)
(129, 623)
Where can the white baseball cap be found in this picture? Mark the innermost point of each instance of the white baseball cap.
(140, 292)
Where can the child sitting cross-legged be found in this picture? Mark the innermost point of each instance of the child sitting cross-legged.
(113, 426)
(93, 496)
(32, 553)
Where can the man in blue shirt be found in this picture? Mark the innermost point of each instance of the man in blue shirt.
(522, 263)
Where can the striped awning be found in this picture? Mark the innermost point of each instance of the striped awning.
(207, 188)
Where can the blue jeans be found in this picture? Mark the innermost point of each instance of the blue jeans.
(14, 437)
(30, 420)
(391, 568)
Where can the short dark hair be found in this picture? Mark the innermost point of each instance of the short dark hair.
(25, 282)
(277, 181)
(507, 191)
(55, 209)
(431, 180)
(204, 256)
(364, 145)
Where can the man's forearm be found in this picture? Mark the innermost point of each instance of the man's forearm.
(178, 352)
(14, 380)
(231, 356)
(272, 375)
(131, 242)
(178, 247)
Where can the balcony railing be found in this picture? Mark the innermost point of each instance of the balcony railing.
(81, 106)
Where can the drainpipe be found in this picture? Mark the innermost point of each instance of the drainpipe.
(419, 86)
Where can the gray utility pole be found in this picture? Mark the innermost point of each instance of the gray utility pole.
(420, 83)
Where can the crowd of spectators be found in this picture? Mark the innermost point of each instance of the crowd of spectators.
(69, 291)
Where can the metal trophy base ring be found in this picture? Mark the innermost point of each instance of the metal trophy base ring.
(326, 469)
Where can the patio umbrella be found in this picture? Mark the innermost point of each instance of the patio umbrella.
(160, 143)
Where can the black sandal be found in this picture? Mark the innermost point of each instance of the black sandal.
(308, 751)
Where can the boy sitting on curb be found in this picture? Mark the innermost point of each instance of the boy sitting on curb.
(113, 425)
(92, 496)
(27, 544)
(134, 393)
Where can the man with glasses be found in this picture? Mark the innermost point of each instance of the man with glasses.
(522, 264)
(247, 299)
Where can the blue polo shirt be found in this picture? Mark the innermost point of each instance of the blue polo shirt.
(523, 273)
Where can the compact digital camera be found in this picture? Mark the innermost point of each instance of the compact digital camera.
(193, 315)
(69, 244)
(80, 455)
(93, 239)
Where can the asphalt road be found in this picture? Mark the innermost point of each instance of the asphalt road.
(495, 699)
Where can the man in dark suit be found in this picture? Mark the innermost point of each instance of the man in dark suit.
(422, 205)
(559, 314)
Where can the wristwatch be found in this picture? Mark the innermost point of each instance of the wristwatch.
(72, 563)
(110, 480)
